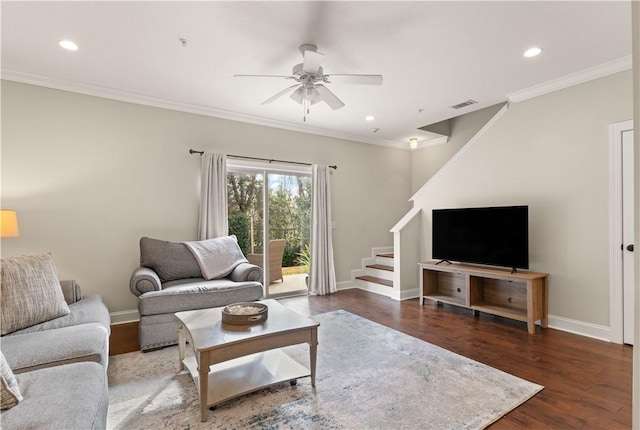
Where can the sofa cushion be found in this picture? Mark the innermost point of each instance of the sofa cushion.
(81, 403)
(217, 257)
(31, 292)
(33, 351)
(10, 392)
(179, 296)
(170, 260)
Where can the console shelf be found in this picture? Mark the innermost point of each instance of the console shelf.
(521, 296)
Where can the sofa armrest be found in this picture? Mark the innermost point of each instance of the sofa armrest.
(144, 280)
(246, 272)
(255, 259)
(71, 291)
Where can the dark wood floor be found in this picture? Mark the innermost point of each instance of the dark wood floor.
(587, 382)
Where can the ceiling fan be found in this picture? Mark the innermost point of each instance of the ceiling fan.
(309, 88)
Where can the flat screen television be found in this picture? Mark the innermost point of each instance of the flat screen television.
(494, 236)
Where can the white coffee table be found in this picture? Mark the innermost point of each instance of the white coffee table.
(232, 360)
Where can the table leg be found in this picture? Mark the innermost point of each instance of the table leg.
(545, 303)
(203, 375)
(181, 344)
(313, 351)
(531, 320)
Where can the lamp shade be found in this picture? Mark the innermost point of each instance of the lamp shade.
(8, 224)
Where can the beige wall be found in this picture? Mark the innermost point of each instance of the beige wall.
(426, 162)
(90, 176)
(551, 153)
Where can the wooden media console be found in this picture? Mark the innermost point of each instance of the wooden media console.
(521, 296)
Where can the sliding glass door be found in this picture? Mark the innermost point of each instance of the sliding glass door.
(270, 214)
(245, 210)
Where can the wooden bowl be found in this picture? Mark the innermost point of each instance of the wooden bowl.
(245, 313)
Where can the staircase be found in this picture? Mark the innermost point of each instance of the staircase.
(376, 274)
(393, 271)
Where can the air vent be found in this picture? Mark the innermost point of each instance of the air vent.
(464, 104)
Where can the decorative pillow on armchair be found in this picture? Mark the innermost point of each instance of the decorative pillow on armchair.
(170, 260)
(31, 292)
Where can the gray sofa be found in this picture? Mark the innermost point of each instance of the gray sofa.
(170, 280)
(60, 367)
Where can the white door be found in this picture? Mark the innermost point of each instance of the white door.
(627, 235)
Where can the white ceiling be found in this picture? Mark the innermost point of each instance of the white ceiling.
(432, 55)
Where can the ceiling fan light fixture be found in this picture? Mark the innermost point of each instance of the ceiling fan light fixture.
(297, 95)
(310, 78)
(313, 95)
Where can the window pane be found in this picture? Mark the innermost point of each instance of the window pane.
(245, 210)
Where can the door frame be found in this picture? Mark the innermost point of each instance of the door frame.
(616, 323)
(266, 168)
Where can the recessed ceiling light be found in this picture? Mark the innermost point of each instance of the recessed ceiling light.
(68, 45)
(369, 117)
(532, 52)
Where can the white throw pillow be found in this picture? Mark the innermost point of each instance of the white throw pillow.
(217, 257)
(31, 292)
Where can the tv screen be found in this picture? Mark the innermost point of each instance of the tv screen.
(495, 236)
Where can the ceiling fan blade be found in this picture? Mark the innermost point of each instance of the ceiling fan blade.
(312, 61)
(263, 76)
(355, 79)
(329, 98)
(280, 94)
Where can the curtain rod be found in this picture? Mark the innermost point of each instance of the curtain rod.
(193, 151)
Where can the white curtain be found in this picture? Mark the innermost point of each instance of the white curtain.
(213, 197)
(322, 273)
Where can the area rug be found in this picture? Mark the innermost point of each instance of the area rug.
(368, 377)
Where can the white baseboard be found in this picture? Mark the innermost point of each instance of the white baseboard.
(122, 317)
(354, 274)
(410, 294)
(381, 250)
(345, 285)
(582, 328)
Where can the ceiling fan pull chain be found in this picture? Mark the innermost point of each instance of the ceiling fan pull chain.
(305, 109)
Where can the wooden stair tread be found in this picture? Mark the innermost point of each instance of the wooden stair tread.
(381, 267)
(386, 255)
(385, 282)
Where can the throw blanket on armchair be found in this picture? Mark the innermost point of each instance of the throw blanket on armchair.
(217, 257)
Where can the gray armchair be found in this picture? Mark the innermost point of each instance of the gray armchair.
(169, 280)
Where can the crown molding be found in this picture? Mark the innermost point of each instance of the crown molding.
(606, 69)
(600, 71)
(433, 142)
(124, 96)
